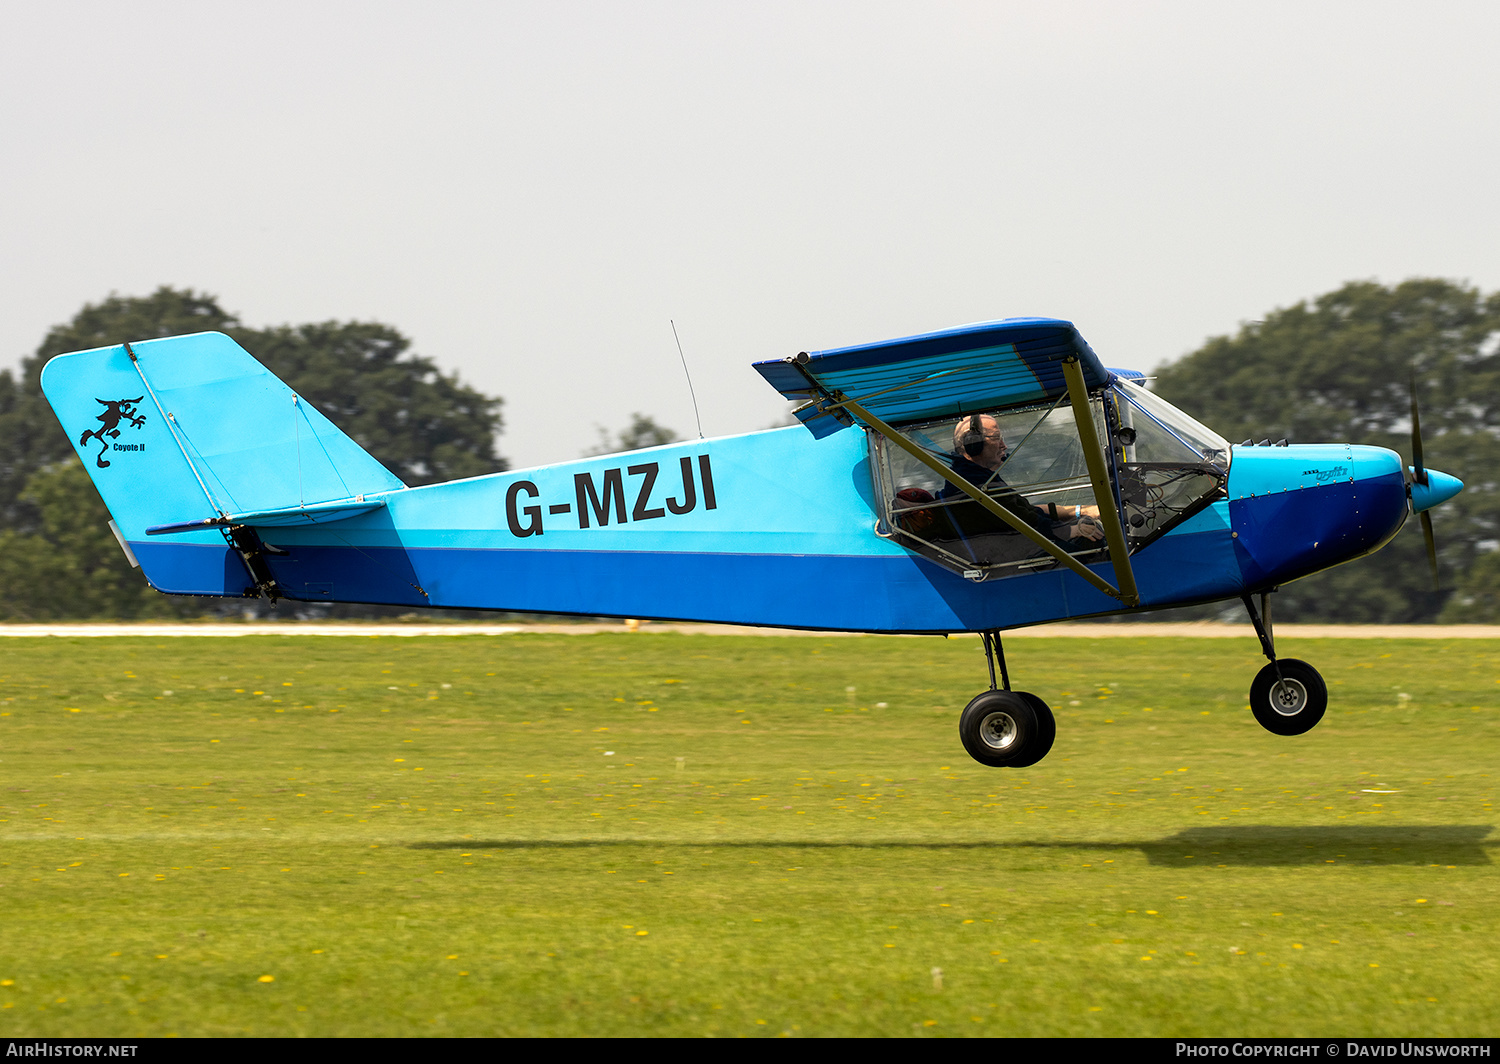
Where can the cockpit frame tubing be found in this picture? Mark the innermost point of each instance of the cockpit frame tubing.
(989, 503)
(1104, 495)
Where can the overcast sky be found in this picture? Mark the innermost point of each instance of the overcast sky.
(531, 191)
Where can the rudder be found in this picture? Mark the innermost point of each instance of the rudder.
(194, 428)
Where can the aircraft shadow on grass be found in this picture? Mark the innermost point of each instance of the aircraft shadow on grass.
(1266, 844)
(1249, 845)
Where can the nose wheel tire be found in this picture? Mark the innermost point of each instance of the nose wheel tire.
(1291, 704)
(1007, 729)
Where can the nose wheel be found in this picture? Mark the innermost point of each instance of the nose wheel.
(1288, 696)
(1005, 728)
(1291, 701)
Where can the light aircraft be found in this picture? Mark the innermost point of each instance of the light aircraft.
(977, 479)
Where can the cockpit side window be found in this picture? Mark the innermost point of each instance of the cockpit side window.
(1164, 467)
(1028, 460)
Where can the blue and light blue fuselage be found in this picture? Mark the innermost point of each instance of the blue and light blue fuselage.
(777, 528)
(770, 528)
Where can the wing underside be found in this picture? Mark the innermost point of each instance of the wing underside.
(990, 366)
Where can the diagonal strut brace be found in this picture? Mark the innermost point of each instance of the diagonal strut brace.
(983, 499)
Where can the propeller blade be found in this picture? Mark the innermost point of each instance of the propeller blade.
(1437, 584)
(1420, 474)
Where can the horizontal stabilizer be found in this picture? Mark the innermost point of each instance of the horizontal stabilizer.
(316, 514)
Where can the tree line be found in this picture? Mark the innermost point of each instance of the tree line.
(1339, 369)
(58, 559)
(1336, 368)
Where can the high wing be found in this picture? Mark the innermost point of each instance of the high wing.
(971, 368)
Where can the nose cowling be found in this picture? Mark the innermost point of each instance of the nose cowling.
(1440, 487)
(1297, 510)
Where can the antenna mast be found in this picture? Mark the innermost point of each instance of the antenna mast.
(689, 377)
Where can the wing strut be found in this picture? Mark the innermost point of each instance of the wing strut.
(1093, 454)
(171, 423)
(1001, 512)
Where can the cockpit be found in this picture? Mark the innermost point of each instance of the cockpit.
(1163, 466)
(1007, 447)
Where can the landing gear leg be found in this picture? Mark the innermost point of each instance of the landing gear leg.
(994, 651)
(1005, 728)
(1288, 696)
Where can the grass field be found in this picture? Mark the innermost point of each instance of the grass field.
(668, 834)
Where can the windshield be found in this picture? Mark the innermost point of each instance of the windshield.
(1168, 466)
(1165, 434)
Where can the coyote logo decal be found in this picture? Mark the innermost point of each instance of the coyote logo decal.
(115, 411)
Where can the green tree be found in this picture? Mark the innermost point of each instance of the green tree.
(1477, 599)
(640, 433)
(71, 565)
(1337, 369)
(59, 558)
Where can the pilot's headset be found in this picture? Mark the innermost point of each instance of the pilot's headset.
(972, 441)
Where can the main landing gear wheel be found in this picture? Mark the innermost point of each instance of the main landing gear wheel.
(1048, 732)
(1293, 704)
(1007, 729)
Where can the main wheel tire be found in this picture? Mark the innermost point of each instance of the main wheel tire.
(1002, 729)
(1290, 707)
(1046, 732)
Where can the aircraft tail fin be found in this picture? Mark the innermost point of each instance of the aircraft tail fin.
(190, 436)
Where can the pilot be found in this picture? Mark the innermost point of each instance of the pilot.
(979, 450)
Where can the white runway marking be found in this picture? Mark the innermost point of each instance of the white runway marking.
(1200, 630)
